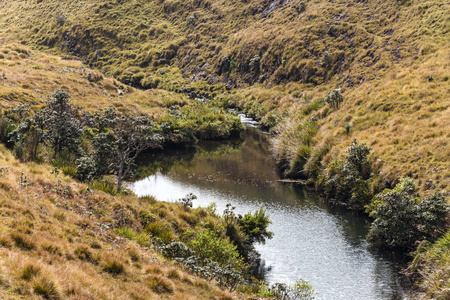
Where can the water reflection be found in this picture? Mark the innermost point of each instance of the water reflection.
(313, 240)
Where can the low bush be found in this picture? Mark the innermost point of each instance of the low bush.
(207, 245)
(401, 219)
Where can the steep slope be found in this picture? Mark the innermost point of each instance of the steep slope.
(233, 41)
(60, 240)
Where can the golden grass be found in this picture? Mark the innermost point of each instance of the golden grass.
(27, 84)
(52, 247)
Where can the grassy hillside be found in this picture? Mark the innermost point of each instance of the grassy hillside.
(275, 60)
(233, 41)
(390, 60)
(60, 240)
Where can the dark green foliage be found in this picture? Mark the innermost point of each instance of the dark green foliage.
(27, 138)
(226, 275)
(61, 123)
(348, 183)
(120, 139)
(357, 164)
(255, 226)
(6, 127)
(401, 219)
(86, 168)
(207, 245)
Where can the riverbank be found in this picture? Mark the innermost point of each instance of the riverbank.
(62, 239)
(309, 233)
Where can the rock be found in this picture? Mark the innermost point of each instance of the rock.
(203, 74)
(162, 72)
(205, 66)
(119, 92)
(213, 80)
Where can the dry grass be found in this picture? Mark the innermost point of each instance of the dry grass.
(78, 256)
(25, 84)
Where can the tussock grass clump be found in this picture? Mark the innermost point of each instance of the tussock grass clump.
(47, 288)
(154, 269)
(173, 273)
(134, 254)
(160, 284)
(30, 271)
(22, 241)
(113, 266)
(83, 253)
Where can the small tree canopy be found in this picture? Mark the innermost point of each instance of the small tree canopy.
(61, 123)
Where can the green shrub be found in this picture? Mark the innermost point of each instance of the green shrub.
(348, 182)
(255, 226)
(401, 219)
(187, 200)
(176, 250)
(207, 245)
(334, 99)
(86, 168)
(145, 217)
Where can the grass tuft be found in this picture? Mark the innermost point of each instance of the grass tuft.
(113, 266)
(160, 284)
(46, 288)
(22, 241)
(29, 271)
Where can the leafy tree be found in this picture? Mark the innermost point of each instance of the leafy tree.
(27, 138)
(61, 123)
(120, 140)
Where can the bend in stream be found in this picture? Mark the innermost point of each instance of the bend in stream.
(313, 240)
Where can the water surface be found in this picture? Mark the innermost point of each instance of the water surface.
(314, 241)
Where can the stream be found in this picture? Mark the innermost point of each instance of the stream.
(313, 240)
